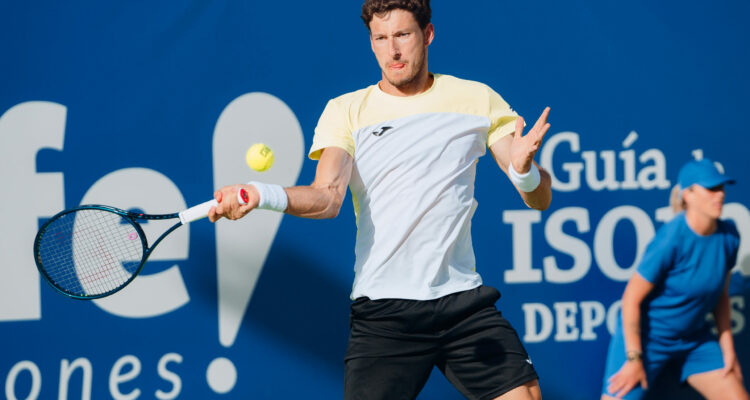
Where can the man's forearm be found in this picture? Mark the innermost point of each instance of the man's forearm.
(323, 198)
(316, 202)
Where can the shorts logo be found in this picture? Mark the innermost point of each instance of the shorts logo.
(528, 360)
(381, 131)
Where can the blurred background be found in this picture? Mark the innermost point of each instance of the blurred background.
(152, 105)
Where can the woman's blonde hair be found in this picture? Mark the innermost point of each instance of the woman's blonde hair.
(676, 201)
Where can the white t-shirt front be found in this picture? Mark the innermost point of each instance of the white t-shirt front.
(413, 182)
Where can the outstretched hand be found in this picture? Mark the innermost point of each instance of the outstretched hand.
(523, 148)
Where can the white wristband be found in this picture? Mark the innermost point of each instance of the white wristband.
(272, 197)
(526, 182)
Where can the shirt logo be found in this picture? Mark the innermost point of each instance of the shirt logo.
(381, 131)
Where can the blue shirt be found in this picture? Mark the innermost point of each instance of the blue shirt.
(688, 272)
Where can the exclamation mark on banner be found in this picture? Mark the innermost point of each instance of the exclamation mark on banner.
(242, 246)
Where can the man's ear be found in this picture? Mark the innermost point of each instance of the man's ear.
(429, 34)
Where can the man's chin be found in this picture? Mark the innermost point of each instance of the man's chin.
(400, 83)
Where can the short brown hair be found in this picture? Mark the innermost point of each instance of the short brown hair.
(419, 8)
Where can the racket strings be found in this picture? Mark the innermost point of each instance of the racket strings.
(90, 252)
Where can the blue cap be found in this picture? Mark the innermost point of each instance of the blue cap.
(702, 172)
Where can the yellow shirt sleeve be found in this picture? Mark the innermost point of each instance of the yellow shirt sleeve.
(333, 130)
(502, 118)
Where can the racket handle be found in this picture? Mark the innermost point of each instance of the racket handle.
(197, 212)
(242, 196)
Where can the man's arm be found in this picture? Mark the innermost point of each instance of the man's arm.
(520, 150)
(322, 199)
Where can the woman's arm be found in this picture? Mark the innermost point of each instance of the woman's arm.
(724, 326)
(632, 372)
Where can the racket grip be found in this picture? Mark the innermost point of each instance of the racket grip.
(197, 212)
(242, 196)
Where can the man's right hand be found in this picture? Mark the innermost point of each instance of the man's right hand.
(229, 207)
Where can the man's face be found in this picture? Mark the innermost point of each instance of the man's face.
(400, 46)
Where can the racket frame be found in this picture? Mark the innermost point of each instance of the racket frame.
(129, 216)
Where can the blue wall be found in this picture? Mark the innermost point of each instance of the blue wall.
(151, 106)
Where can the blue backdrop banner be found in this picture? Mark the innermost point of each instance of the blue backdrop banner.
(152, 105)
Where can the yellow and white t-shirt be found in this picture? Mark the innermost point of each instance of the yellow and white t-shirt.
(413, 182)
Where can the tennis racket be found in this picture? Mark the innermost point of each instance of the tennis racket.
(93, 251)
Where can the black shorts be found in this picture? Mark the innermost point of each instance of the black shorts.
(394, 344)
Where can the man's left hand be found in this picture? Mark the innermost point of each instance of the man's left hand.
(523, 148)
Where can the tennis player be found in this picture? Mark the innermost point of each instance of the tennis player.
(407, 147)
(683, 276)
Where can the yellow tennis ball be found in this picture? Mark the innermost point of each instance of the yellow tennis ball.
(259, 157)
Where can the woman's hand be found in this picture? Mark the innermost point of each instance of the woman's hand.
(631, 374)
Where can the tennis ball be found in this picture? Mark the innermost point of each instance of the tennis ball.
(259, 157)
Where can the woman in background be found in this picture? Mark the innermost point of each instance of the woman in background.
(683, 276)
